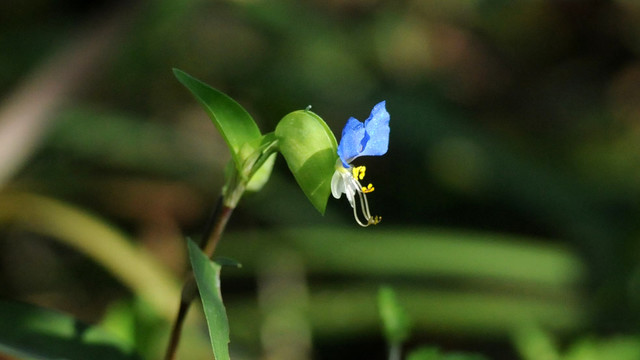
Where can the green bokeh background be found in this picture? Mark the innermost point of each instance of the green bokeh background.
(509, 194)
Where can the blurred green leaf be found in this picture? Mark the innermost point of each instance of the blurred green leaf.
(425, 353)
(431, 353)
(232, 120)
(417, 252)
(486, 263)
(618, 348)
(93, 237)
(532, 343)
(34, 332)
(120, 319)
(207, 274)
(310, 149)
(134, 320)
(395, 321)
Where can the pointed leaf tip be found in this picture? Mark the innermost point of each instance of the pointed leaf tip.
(230, 118)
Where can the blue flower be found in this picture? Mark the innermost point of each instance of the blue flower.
(370, 138)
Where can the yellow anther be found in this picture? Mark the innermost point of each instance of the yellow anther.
(374, 220)
(367, 189)
(358, 172)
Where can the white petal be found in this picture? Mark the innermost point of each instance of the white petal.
(337, 185)
(350, 188)
(351, 195)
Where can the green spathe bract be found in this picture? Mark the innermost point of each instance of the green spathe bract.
(310, 149)
(207, 274)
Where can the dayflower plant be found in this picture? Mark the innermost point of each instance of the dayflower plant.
(370, 138)
(318, 163)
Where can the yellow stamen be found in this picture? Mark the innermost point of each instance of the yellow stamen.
(367, 189)
(358, 172)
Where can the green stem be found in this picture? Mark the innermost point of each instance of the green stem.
(212, 234)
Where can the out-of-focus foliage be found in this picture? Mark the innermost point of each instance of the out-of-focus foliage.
(395, 321)
(435, 354)
(509, 194)
(533, 343)
(33, 332)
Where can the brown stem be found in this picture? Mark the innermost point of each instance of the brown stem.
(213, 232)
(176, 331)
(211, 222)
(218, 229)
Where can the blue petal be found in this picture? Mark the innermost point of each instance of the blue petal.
(368, 139)
(351, 141)
(377, 131)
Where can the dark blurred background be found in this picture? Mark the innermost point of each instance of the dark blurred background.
(508, 195)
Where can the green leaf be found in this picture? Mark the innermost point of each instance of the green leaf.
(232, 120)
(207, 274)
(310, 149)
(34, 332)
(395, 321)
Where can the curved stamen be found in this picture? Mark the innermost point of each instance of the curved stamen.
(364, 205)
